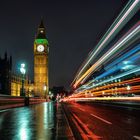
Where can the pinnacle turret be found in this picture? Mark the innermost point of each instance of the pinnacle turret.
(41, 32)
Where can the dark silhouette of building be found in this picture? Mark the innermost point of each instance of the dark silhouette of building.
(5, 74)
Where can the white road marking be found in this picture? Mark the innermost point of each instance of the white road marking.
(101, 119)
(136, 137)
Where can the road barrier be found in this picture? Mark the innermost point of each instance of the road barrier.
(7, 101)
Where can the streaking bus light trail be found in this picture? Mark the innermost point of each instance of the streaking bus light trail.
(129, 10)
(111, 51)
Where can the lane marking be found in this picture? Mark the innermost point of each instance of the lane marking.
(82, 109)
(101, 119)
(136, 137)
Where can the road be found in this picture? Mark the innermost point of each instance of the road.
(35, 122)
(107, 122)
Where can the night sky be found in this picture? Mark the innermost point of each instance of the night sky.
(73, 29)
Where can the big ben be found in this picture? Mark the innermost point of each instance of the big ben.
(41, 62)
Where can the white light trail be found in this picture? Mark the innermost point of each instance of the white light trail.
(129, 10)
(116, 77)
(110, 52)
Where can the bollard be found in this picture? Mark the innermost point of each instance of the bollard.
(26, 101)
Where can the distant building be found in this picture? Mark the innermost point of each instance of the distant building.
(5, 74)
(11, 83)
(58, 90)
(16, 84)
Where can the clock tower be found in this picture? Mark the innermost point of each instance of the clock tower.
(41, 62)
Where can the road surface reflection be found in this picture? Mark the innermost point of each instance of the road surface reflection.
(29, 123)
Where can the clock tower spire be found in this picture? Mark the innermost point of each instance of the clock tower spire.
(41, 62)
(41, 31)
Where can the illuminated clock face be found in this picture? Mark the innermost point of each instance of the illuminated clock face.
(40, 48)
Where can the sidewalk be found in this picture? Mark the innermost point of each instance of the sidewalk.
(64, 131)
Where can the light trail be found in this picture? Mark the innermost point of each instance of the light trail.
(115, 48)
(127, 54)
(132, 81)
(105, 98)
(110, 86)
(129, 10)
(131, 58)
(117, 77)
(111, 92)
(110, 52)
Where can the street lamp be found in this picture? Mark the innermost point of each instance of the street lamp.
(23, 72)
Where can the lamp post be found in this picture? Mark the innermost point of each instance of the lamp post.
(23, 72)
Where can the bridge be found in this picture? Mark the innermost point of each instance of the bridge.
(105, 103)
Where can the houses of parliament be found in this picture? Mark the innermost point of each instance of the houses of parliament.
(11, 83)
